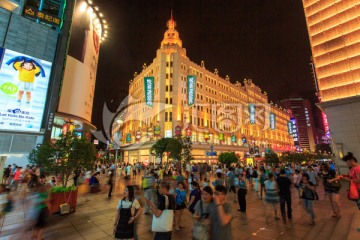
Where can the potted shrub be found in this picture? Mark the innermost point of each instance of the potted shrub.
(60, 195)
(62, 158)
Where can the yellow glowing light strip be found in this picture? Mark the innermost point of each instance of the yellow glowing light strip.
(315, 8)
(329, 22)
(333, 9)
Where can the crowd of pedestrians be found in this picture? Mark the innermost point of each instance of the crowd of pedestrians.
(168, 190)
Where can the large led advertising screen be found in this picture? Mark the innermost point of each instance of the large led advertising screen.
(78, 86)
(24, 82)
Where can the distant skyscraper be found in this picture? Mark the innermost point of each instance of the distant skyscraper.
(334, 31)
(301, 110)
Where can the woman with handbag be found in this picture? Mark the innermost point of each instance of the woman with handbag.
(125, 217)
(353, 177)
(180, 200)
(307, 193)
(331, 189)
(201, 229)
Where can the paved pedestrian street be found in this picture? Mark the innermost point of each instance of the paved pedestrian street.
(94, 219)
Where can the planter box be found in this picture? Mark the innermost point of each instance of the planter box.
(56, 199)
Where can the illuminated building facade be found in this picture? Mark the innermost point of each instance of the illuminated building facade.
(334, 32)
(174, 96)
(301, 109)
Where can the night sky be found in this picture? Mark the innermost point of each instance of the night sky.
(265, 40)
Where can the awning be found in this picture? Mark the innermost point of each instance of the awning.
(137, 146)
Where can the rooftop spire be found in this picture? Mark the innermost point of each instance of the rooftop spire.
(171, 36)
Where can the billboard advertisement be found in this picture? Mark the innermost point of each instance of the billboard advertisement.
(191, 86)
(77, 92)
(149, 91)
(24, 83)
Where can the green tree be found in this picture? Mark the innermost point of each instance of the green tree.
(174, 147)
(271, 158)
(186, 148)
(159, 148)
(228, 158)
(64, 156)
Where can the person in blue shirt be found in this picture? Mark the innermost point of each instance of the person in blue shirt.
(180, 201)
(242, 191)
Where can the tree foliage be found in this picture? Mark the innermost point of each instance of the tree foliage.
(300, 157)
(271, 158)
(228, 158)
(186, 148)
(167, 145)
(64, 156)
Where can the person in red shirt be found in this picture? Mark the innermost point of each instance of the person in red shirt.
(353, 176)
(16, 178)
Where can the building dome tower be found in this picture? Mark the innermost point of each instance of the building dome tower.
(171, 36)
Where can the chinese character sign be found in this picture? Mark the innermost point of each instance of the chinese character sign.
(295, 132)
(149, 91)
(272, 121)
(33, 12)
(23, 88)
(289, 127)
(191, 86)
(252, 113)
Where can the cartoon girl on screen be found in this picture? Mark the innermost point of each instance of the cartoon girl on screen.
(28, 69)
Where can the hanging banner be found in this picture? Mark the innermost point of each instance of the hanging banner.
(252, 113)
(150, 133)
(188, 131)
(157, 130)
(206, 136)
(138, 136)
(221, 136)
(178, 130)
(272, 121)
(128, 138)
(149, 91)
(191, 86)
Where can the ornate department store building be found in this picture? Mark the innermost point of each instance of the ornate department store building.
(174, 96)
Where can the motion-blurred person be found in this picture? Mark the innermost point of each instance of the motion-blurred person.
(201, 214)
(271, 194)
(6, 202)
(284, 184)
(94, 183)
(195, 196)
(148, 187)
(332, 189)
(220, 215)
(166, 201)
(353, 177)
(307, 190)
(42, 212)
(241, 194)
(180, 199)
(111, 183)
